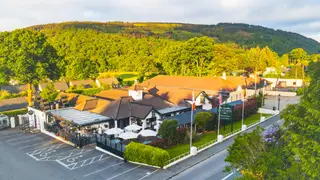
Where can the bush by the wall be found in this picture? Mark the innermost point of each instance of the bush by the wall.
(15, 112)
(250, 107)
(146, 154)
(202, 120)
(168, 130)
(181, 134)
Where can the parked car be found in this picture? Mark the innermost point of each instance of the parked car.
(4, 122)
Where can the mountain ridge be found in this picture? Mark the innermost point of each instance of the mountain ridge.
(246, 35)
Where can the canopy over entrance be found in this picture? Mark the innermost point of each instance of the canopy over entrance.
(80, 118)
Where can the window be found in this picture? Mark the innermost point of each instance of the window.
(294, 83)
(202, 99)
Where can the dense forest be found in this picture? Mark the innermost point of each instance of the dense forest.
(245, 35)
(29, 56)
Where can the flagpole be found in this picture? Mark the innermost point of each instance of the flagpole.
(191, 120)
(218, 119)
(220, 102)
(264, 84)
(243, 110)
(244, 98)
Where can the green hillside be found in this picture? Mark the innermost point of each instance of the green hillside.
(243, 34)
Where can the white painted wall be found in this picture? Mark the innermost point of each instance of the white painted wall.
(236, 95)
(289, 82)
(250, 92)
(37, 118)
(276, 93)
(158, 117)
(198, 99)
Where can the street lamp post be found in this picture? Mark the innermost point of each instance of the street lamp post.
(279, 102)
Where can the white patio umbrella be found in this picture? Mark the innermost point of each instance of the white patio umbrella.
(147, 133)
(114, 131)
(128, 135)
(132, 127)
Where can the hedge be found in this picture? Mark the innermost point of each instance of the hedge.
(87, 92)
(15, 112)
(146, 154)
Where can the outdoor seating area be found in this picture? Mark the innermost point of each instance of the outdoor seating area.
(78, 127)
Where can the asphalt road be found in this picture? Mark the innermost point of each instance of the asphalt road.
(213, 167)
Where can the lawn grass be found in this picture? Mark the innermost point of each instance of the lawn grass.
(179, 149)
(126, 76)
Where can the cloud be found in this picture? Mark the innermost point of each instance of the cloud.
(292, 15)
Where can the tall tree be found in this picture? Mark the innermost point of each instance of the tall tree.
(28, 56)
(197, 53)
(302, 122)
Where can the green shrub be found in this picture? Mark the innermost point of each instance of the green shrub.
(87, 92)
(300, 91)
(168, 130)
(15, 112)
(146, 154)
(49, 92)
(181, 134)
(6, 95)
(202, 120)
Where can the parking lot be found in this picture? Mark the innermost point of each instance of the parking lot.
(38, 156)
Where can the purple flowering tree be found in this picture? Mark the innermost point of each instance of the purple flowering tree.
(271, 135)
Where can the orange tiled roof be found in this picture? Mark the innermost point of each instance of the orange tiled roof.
(201, 83)
(173, 95)
(76, 97)
(101, 106)
(113, 94)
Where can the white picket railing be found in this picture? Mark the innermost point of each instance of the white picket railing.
(178, 157)
(206, 145)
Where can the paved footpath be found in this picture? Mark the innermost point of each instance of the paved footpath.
(210, 170)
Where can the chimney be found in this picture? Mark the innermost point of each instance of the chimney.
(224, 76)
(136, 95)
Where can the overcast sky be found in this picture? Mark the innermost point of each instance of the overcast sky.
(301, 16)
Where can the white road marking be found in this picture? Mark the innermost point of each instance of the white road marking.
(124, 172)
(102, 169)
(148, 174)
(83, 163)
(44, 152)
(225, 178)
